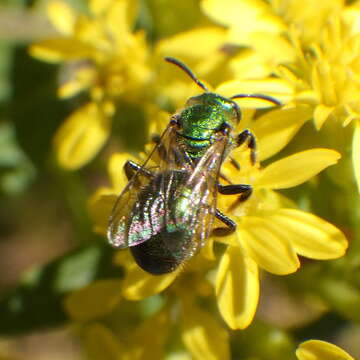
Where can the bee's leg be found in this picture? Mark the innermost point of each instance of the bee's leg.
(230, 225)
(155, 138)
(131, 167)
(244, 190)
(234, 163)
(248, 136)
(164, 154)
(160, 147)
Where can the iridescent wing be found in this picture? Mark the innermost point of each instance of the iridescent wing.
(177, 202)
(203, 182)
(166, 156)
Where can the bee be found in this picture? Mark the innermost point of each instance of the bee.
(166, 212)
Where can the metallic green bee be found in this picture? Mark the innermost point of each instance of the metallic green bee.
(166, 212)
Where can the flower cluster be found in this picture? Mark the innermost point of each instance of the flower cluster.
(303, 54)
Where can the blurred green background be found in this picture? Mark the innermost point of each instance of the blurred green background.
(43, 209)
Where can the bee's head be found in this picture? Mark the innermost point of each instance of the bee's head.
(221, 107)
(212, 108)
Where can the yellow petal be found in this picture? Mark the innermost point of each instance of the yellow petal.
(100, 206)
(202, 334)
(249, 65)
(81, 78)
(116, 170)
(71, 88)
(321, 350)
(308, 96)
(237, 288)
(179, 355)
(62, 16)
(139, 284)
(202, 41)
(310, 235)
(148, 341)
(321, 114)
(277, 88)
(90, 30)
(101, 343)
(208, 250)
(273, 48)
(227, 12)
(61, 49)
(99, 6)
(93, 301)
(81, 136)
(244, 34)
(244, 17)
(296, 169)
(268, 246)
(324, 83)
(356, 153)
(351, 15)
(120, 18)
(275, 129)
(349, 118)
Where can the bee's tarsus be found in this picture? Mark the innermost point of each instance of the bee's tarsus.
(248, 136)
(230, 224)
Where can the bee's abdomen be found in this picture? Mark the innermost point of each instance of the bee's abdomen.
(157, 225)
(154, 255)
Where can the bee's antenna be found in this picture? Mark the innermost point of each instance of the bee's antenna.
(187, 70)
(257, 96)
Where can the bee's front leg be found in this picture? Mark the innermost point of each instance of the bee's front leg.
(131, 168)
(156, 139)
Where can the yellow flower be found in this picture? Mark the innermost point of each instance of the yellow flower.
(253, 24)
(315, 57)
(270, 230)
(227, 67)
(307, 17)
(321, 350)
(244, 18)
(102, 55)
(326, 77)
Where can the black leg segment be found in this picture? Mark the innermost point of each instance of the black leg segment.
(160, 147)
(131, 167)
(235, 163)
(248, 136)
(244, 190)
(222, 231)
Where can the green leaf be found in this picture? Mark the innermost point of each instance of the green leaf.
(38, 301)
(16, 171)
(5, 63)
(34, 105)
